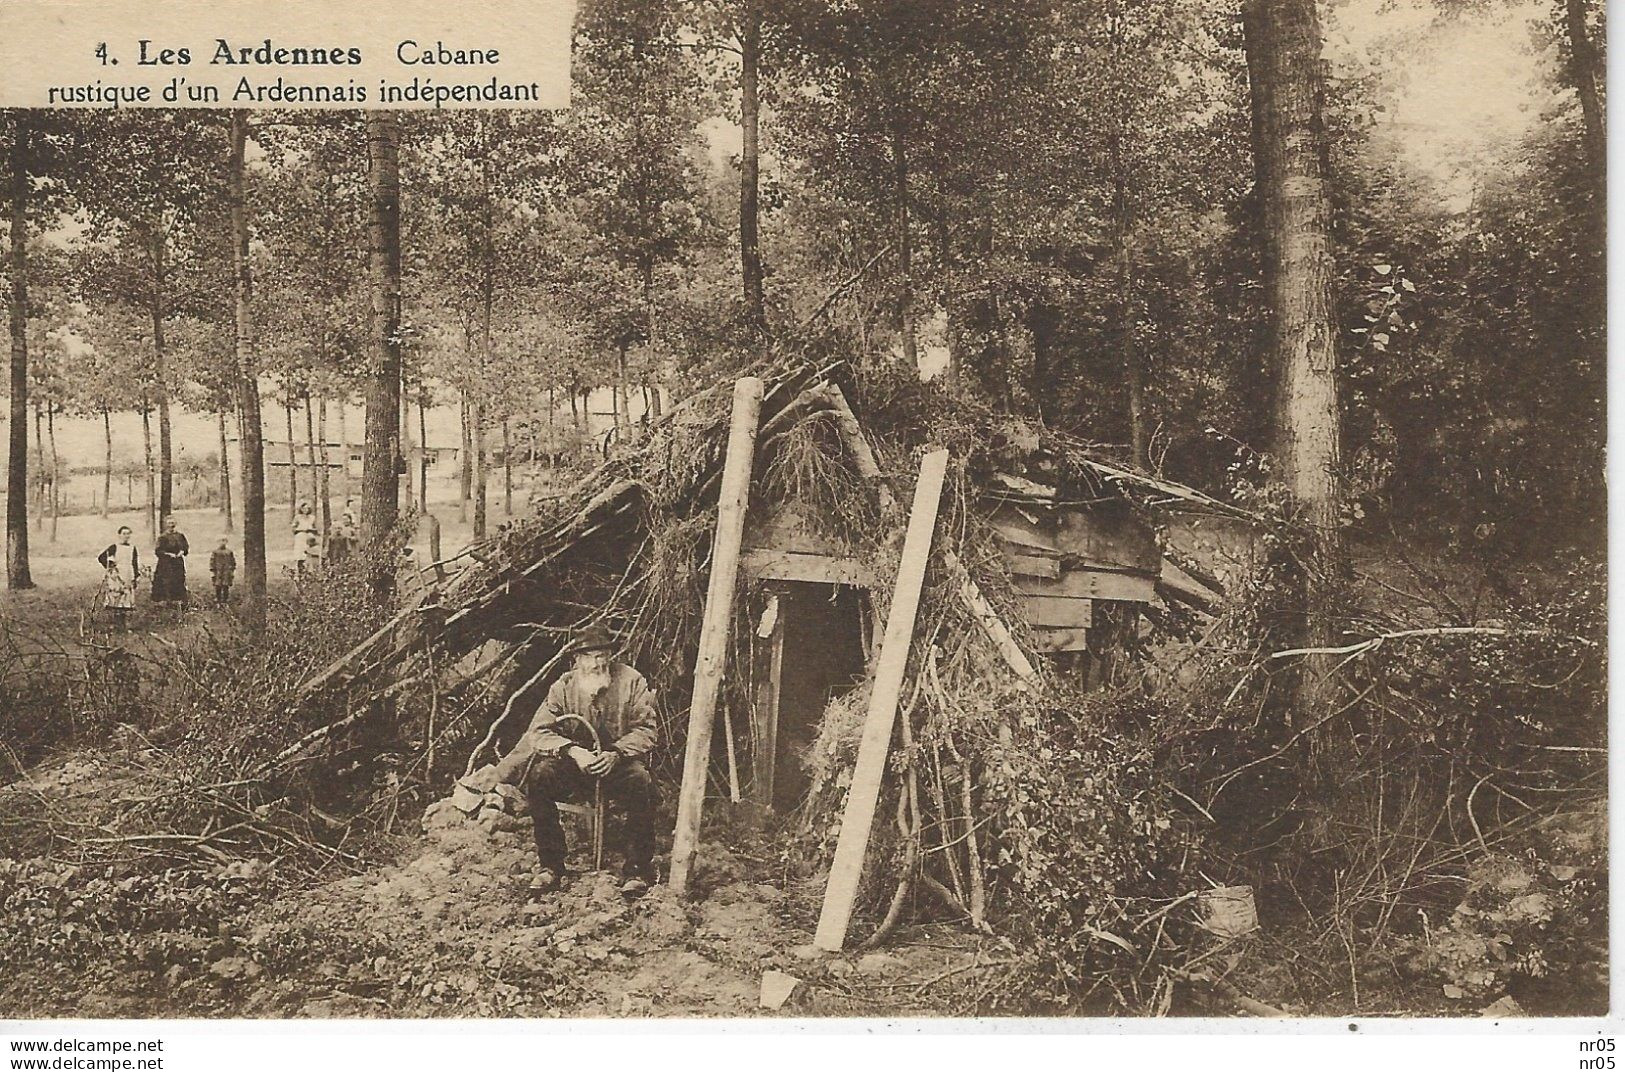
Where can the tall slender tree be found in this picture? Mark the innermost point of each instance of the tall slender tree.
(251, 442)
(18, 575)
(380, 481)
(1283, 43)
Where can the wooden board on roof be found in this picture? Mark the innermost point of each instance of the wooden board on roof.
(1090, 584)
(790, 566)
(1035, 564)
(1024, 529)
(1107, 536)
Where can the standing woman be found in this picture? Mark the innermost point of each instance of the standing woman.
(121, 564)
(306, 537)
(169, 576)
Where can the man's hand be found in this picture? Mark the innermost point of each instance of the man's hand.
(483, 780)
(603, 764)
(584, 758)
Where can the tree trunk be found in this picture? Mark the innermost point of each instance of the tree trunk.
(507, 470)
(250, 438)
(905, 267)
(1284, 54)
(293, 465)
(160, 376)
(750, 251)
(1583, 59)
(41, 476)
(380, 482)
(107, 461)
(623, 402)
(465, 469)
(317, 478)
(344, 449)
(152, 485)
(423, 450)
(408, 449)
(225, 473)
(476, 428)
(1133, 370)
(325, 482)
(56, 469)
(18, 575)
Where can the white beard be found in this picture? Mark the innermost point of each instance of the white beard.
(593, 682)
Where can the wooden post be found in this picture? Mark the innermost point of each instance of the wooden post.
(858, 818)
(765, 724)
(719, 598)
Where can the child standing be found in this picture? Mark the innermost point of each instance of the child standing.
(223, 566)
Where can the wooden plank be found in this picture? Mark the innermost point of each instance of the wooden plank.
(775, 565)
(861, 799)
(1021, 535)
(1109, 537)
(1031, 565)
(1058, 611)
(1074, 638)
(1091, 584)
(765, 707)
(971, 595)
(732, 499)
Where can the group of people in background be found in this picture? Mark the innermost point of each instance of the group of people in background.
(122, 572)
(310, 551)
(123, 565)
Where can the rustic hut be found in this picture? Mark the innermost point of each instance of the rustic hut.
(1043, 556)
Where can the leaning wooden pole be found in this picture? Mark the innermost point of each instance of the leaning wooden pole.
(859, 816)
(719, 600)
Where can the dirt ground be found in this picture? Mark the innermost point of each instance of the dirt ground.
(447, 930)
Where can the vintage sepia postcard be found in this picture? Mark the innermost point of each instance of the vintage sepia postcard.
(1079, 509)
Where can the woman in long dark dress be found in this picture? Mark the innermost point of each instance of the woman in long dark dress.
(169, 575)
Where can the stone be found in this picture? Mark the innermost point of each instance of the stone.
(230, 968)
(466, 800)
(779, 989)
(1502, 1008)
(807, 952)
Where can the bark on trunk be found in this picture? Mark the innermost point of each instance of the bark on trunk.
(324, 480)
(1133, 371)
(476, 422)
(225, 474)
(423, 451)
(293, 465)
(160, 376)
(344, 449)
(310, 452)
(408, 448)
(107, 461)
(250, 438)
(507, 469)
(1583, 59)
(380, 482)
(1284, 55)
(465, 469)
(56, 469)
(18, 575)
(41, 477)
(750, 252)
(152, 481)
(905, 267)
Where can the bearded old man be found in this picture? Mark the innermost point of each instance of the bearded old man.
(559, 759)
